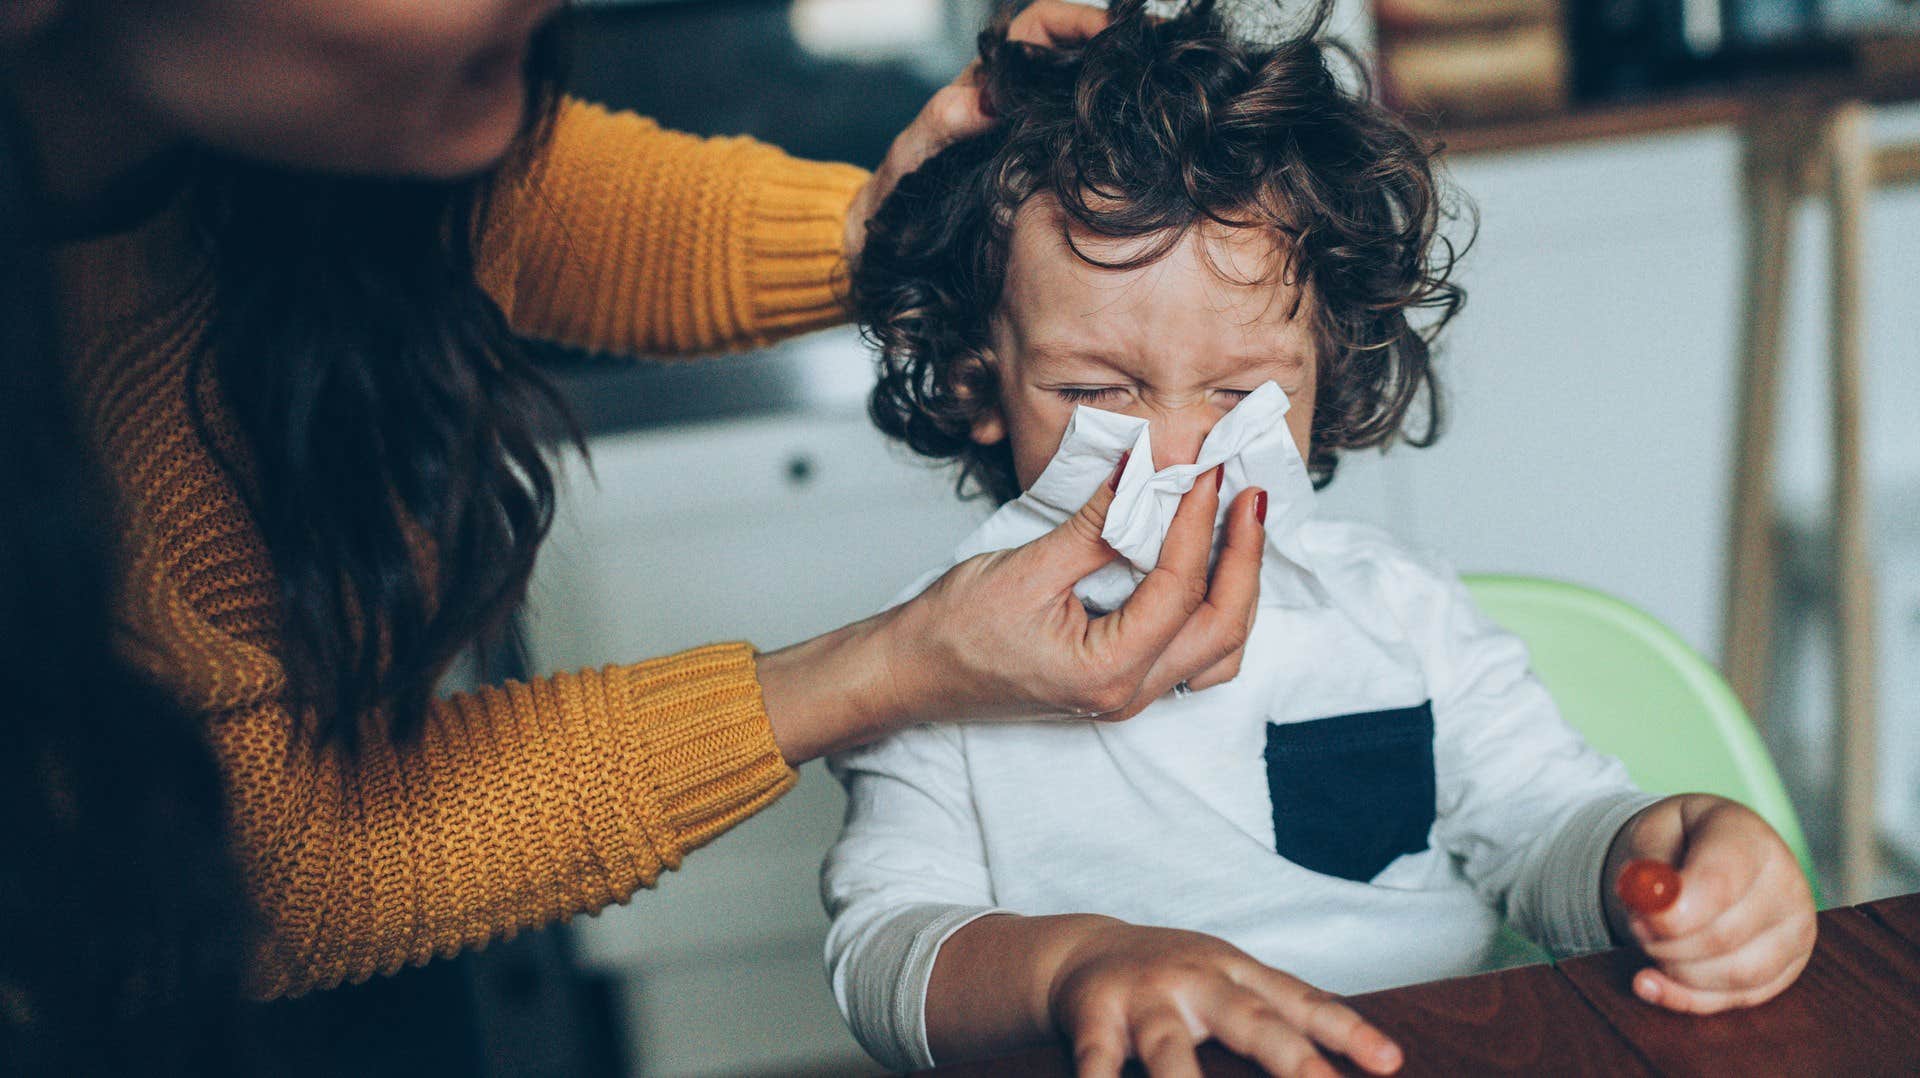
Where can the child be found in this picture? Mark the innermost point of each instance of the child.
(1187, 261)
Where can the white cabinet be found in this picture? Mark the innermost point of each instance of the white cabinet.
(769, 530)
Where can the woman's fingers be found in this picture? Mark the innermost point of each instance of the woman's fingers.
(1188, 626)
(1210, 647)
(1235, 588)
(1209, 619)
(1189, 541)
(960, 109)
(1177, 586)
(1056, 23)
(1004, 634)
(1075, 548)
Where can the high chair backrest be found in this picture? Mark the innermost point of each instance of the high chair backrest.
(1635, 690)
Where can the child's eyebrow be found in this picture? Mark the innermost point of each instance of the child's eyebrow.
(1064, 350)
(1288, 357)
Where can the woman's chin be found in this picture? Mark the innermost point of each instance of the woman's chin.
(476, 136)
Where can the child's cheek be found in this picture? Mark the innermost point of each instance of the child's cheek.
(1035, 425)
(1300, 423)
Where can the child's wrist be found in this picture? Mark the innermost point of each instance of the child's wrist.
(1059, 959)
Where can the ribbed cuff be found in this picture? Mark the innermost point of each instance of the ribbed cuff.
(792, 266)
(703, 739)
(912, 1002)
(1571, 917)
(886, 1005)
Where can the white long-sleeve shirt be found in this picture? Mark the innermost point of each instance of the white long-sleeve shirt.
(1360, 807)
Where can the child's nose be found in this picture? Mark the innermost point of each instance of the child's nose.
(1178, 434)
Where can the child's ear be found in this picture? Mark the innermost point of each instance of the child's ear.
(975, 379)
(989, 427)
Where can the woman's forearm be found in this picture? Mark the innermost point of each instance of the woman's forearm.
(516, 806)
(832, 692)
(991, 985)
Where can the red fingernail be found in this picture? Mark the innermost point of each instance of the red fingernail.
(1219, 478)
(1260, 508)
(1114, 483)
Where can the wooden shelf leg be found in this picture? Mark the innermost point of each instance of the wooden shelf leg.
(1771, 183)
(1850, 178)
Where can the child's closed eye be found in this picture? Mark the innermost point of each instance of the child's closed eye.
(1089, 394)
(1111, 394)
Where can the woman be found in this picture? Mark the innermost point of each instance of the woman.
(293, 244)
(120, 901)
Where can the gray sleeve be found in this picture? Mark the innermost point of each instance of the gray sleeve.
(1525, 803)
(1555, 898)
(908, 870)
(881, 980)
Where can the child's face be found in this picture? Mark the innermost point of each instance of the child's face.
(1177, 343)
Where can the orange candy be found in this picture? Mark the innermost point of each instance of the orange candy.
(1647, 887)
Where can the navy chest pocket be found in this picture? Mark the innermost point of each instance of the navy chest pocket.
(1353, 792)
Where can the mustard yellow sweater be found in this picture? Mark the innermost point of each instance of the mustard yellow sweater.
(520, 805)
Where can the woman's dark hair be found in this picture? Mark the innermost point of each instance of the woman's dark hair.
(392, 428)
(124, 924)
(1154, 126)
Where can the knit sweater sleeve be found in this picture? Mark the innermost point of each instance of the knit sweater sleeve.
(519, 806)
(622, 237)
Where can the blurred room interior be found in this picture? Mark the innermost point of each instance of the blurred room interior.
(1696, 219)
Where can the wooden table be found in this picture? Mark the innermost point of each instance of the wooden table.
(1854, 1012)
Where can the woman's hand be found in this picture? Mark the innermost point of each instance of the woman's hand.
(960, 109)
(1152, 994)
(1002, 635)
(1743, 926)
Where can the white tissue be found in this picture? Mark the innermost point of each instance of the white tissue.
(1252, 441)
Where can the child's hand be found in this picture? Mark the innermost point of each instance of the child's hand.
(1154, 993)
(1743, 926)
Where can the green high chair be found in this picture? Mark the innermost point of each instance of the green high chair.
(1635, 690)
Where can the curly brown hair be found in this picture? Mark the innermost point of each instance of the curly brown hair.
(1152, 127)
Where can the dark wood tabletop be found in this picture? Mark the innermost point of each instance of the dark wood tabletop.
(1854, 1012)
